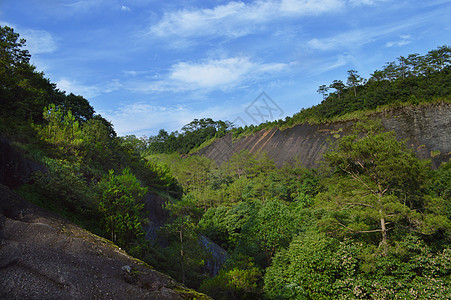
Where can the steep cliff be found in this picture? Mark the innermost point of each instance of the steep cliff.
(426, 129)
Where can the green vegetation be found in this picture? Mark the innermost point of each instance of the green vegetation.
(408, 81)
(373, 222)
(120, 204)
(193, 135)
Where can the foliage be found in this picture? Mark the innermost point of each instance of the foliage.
(193, 135)
(237, 280)
(61, 131)
(305, 270)
(319, 267)
(378, 182)
(185, 248)
(120, 203)
(274, 226)
(63, 189)
(409, 80)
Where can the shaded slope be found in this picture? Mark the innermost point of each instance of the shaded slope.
(426, 129)
(43, 256)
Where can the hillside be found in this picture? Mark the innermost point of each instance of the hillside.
(43, 255)
(426, 129)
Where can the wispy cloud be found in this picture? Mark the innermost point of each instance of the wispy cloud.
(403, 40)
(365, 2)
(87, 91)
(83, 5)
(135, 117)
(236, 19)
(358, 37)
(125, 8)
(39, 41)
(211, 74)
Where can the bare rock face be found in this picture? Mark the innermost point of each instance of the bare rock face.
(426, 129)
(43, 256)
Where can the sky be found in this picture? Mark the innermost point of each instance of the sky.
(148, 64)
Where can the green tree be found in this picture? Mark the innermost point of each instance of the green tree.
(339, 86)
(274, 227)
(306, 270)
(237, 280)
(185, 241)
(61, 130)
(378, 178)
(323, 89)
(14, 60)
(354, 80)
(120, 203)
(79, 106)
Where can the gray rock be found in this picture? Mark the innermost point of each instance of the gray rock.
(43, 256)
(426, 128)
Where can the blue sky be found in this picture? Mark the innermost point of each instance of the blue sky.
(147, 64)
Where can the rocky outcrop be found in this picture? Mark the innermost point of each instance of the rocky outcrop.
(43, 256)
(426, 129)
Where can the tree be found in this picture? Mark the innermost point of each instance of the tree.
(306, 270)
(62, 130)
(377, 75)
(378, 178)
(183, 230)
(274, 227)
(237, 280)
(323, 89)
(23, 91)
(354, 80)
(339, 86)
(79, 106)
(439, 58)
(120, 203)
(13, 59)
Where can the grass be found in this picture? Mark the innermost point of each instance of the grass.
(203, 145)
(360, 114)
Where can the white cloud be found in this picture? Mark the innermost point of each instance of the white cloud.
(365, 2)
(210, 74)
(83, 5)
(358, 37)
(236, 19)
(352, 39)
(404, 40)
(144, 118)
(125, 8)
(133, 73)
(87, 91)
(39, 41)
(309, 7)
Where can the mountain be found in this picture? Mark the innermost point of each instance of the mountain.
(426, 129)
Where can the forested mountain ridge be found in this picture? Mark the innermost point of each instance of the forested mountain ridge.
(426, 129)
(408, 81)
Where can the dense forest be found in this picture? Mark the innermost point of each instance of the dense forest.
(373, 222)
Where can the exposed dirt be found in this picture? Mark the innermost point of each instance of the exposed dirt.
(43, 256)
(426, 129)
